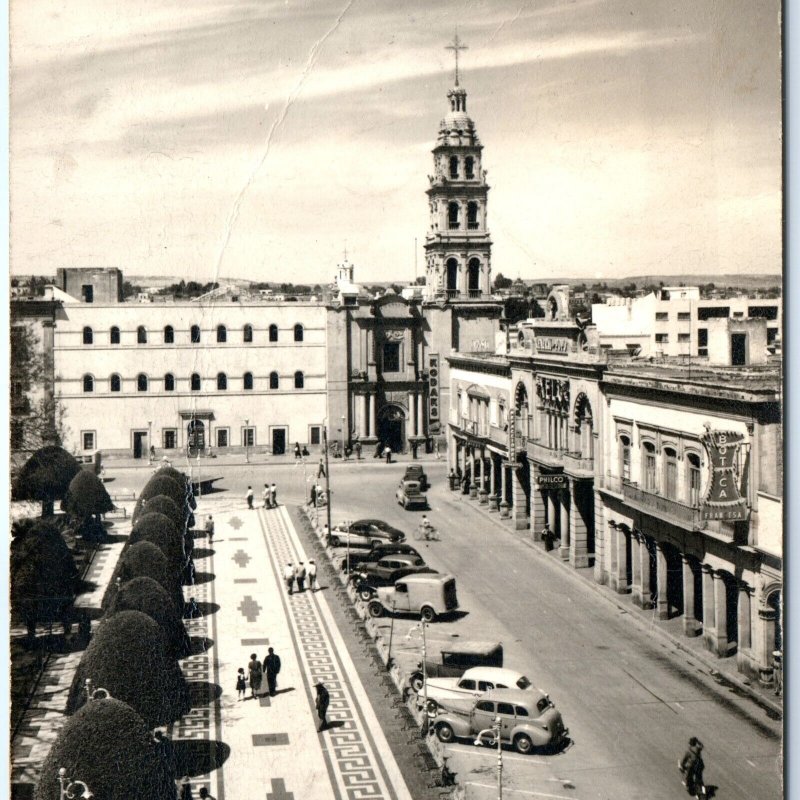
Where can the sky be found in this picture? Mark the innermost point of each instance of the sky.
(217, 140)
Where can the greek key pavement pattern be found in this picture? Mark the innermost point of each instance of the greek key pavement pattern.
(352, 753)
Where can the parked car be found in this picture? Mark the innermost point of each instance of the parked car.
(377, 552)
(387, 572)
(362, 535)
(455, 660)
(430, 596)
(528, 719)
(415, 472)
(375, 523)
(461, 692)
(409, 495)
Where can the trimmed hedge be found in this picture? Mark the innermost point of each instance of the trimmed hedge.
(172, 488)
(128, 656)
(146, 595)
(108, 746)
(86, 496)
(161, 504)
(180, 477)
(146, 560)
(161, 531)
(45, 477)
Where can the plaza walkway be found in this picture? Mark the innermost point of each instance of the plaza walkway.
(275, 749)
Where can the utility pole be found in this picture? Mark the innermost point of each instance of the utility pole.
(327, 476)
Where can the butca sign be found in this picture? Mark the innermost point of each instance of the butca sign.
(722, 500)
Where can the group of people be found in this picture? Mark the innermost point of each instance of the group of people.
(300, 452)
(255, 675)
(297, 573)
(269, 496)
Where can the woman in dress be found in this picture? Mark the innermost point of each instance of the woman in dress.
(255, 673)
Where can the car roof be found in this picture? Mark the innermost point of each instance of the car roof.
(523, 697)
(426, 577)
(504, 674)
(471, 647)
(408, 557)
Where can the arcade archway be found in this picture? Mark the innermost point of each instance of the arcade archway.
(392, 427)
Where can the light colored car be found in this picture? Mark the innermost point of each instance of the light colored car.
(363, 534)
(409, 495)
(460, 693)
(528, 719)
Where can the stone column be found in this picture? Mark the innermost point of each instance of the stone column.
(482, 493)
(621, 554)
(612, 535)
(578, 536)
(602, 569)
(493, 501)
(362, 416)
(372, 426)
(504, 513)
(641, 571)
(421, 414)
(662, 598)
(473, 487)
(538, 510)
(744, 623)
(412, 417)
(551, 513)
(720, 615)
(709, 613)
(519, 500)
(636, 568)
(691, 625)
(767, 619)
(563, 499)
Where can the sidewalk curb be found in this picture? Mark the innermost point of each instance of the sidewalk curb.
(602, 591)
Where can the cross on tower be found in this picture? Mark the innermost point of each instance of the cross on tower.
(455, 46)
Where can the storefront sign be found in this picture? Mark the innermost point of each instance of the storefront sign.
(552, 480)
(433, 387)
(549, 344)
(722, 500)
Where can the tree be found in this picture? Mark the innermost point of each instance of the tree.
(420, 281)
(87, 497)
(108, 746)
(501, 282)
(146, 595)
(43, 575)
(129, 289)
(160, 530)
(163, 484)
(161, 504)
(128, 656)
(145, 559)
(45, 477)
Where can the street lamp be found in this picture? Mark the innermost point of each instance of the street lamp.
(421, 626)
(67, 787)
(495, 731)
(327, 474)
(149, 441)
(247, 441)
(343, 421)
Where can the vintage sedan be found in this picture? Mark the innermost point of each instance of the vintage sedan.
(362, 534)
(386, 572)
(455, 659)
(409, 495)
(527, 719)
(377, 552)
(461, 692)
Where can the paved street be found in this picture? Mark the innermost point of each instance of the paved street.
(631, 702)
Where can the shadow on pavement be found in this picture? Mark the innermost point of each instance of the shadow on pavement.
(199, 757)
(202, 552)
(284, 691)
(204, 577)
(201, 693)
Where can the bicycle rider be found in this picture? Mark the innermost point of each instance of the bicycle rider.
(425, 527)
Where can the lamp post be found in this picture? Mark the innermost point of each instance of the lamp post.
(495, 731)
(343, 421)
(421, 626)
(67, 787)
(149, 441)
(247, 441)
(327, 474)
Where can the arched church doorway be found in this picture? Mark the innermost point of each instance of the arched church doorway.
(196, 436)
(392, 427)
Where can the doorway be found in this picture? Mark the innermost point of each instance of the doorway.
(139, 443)
(278, 441)
(196, 436)
(738, 349)
(391, 428)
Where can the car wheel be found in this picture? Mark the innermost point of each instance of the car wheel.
(427, 613)
(445, 733)
(375, 609)
(523, 744)
(416, 682)
(335, 541)
(365, 594)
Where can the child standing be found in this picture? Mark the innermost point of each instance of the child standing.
(241, 684)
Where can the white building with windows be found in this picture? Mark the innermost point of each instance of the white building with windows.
(206, 376)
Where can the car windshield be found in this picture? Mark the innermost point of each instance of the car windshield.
(523, 682)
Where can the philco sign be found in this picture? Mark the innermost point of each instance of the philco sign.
(551, 480)
(722, 500)
(548, 344)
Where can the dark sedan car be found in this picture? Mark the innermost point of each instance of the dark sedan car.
(386, 571)
(378, 552)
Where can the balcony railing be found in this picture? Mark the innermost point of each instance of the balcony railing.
(453, 226)
(545, 455)
(577, 463)
(473, 226)
(684, 515)
(451, 293)
(475, 293)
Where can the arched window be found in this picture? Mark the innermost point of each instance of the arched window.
(452, 275)
(298, 332)
(141, 382)
(222, 333)
(88, 383)
(472, 215)
(474, 275)
(195, 382)
(169, 382)
(693, 478)
(88, 335)
(248, 380)
(453, 166)
(247, 333)
(625, 458)
(222, 381)
(298, 380)
(273, 333)
(469, 167)
(273, 380)
(169, 335)
(670, 473)
(113, 335)
(116, 383)
(649, 468)
(194, 334)
(452, 216)
(141, 335)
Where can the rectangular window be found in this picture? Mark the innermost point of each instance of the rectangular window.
(684, 316)
(772, 335)
(222, 437)
(763, 312)
(662, 316)
(314, 434)
(87, 293)
(695, 479)
(391, 357)
(87, 439)
(684, 337)
(169, 438)
(650, 481)
(493, 412)
(662, 338)
(248, 437)
(713, 312)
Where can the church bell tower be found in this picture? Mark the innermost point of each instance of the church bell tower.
(457, 245)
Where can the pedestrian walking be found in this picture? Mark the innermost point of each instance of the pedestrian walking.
(249, 497)
(312, 575)
(436, 451)
(241, 684)
(300, 576)
(378, 450)
(209, 528)
(387, 452)
(186, 788)
(297, 451)
(322, 701)
(692, 767)
(288, 576)
(548, 537)
(321, 469)
(313, 500)
(272, 666)
(265, 495)
(273, 495)
(165, 750)
(357, 448)
(254, 674)
(152, 452)
(191, 611)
